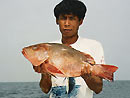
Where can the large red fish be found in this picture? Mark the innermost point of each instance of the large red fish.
(64, 61)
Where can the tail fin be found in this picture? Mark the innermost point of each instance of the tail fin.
(104, 71)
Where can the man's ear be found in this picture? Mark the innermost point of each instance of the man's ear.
(81, 21)
(57, 21)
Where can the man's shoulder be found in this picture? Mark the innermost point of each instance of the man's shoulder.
(87, 41)
(83, 41)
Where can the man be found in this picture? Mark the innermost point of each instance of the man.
(69, 16)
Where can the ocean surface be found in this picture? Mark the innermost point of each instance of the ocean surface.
(116, 89)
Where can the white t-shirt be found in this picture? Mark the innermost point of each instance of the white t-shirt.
(89, 46)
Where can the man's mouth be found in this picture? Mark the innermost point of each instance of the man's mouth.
(67, 30)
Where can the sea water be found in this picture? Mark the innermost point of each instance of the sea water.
(116, 89)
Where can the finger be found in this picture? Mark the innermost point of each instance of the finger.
(37, 69)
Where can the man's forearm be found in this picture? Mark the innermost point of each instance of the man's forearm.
(45, 82)
(94, 83)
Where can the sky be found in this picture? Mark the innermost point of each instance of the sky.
(27, 22)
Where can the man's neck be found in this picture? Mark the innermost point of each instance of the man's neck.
(69, 40)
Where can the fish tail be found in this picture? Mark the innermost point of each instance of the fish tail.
(104, 71)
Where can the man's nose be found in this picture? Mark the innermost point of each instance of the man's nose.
(67, 22)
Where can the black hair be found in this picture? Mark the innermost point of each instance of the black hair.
(74, 7)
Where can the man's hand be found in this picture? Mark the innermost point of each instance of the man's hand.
(40, 68)
(37, 69)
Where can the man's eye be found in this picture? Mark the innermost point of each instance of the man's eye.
(72, 18)
(62, 18)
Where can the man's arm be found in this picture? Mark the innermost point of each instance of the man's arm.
(94, 83)
(45, 82)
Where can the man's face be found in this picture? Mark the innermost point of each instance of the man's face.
(68, 25)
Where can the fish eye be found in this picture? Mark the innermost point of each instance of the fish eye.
(34, 48)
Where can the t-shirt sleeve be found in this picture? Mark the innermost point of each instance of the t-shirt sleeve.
(98, 53)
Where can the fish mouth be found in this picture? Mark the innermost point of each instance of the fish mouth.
(24, 53)
(32, 58)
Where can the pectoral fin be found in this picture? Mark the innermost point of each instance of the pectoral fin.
(94, 83)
